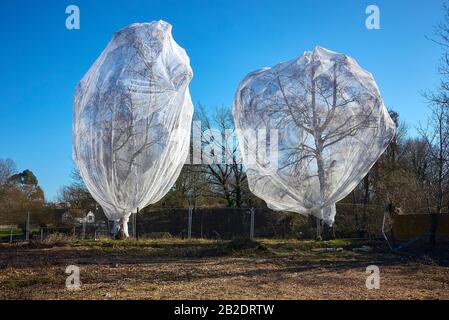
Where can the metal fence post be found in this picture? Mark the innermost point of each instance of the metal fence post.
(27, 232)
(189, 230)
(134, 224)
(137, 233)
(251, 232)
(318, 228)
(84, 226)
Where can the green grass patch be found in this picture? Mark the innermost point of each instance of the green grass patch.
(197, 248)
(7, 233)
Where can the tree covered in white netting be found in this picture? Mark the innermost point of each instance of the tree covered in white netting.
(331, 124)
(132, 119)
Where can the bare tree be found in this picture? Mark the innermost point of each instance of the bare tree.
(7, 169)
(76, 194)
(317, 106)
(9, 196)
(224, 167)
(126, 127)
(436, 136)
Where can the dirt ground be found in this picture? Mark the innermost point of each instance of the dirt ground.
(205, 269)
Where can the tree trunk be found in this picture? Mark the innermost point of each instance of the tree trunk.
(318, 230)
(121, 228)
(318, 156)
(227, 196)
(238, 196)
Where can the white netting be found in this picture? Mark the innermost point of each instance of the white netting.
(132, 118)
(331, 124)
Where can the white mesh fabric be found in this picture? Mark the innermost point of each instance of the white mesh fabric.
(331, 123)
(132, 118)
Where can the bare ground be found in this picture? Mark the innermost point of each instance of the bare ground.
(201, 269)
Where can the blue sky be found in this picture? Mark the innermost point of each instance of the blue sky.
(41, 61)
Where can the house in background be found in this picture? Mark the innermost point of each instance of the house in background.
(66, 217)
(90, 217)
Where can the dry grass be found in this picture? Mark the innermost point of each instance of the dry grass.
(205, 269)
